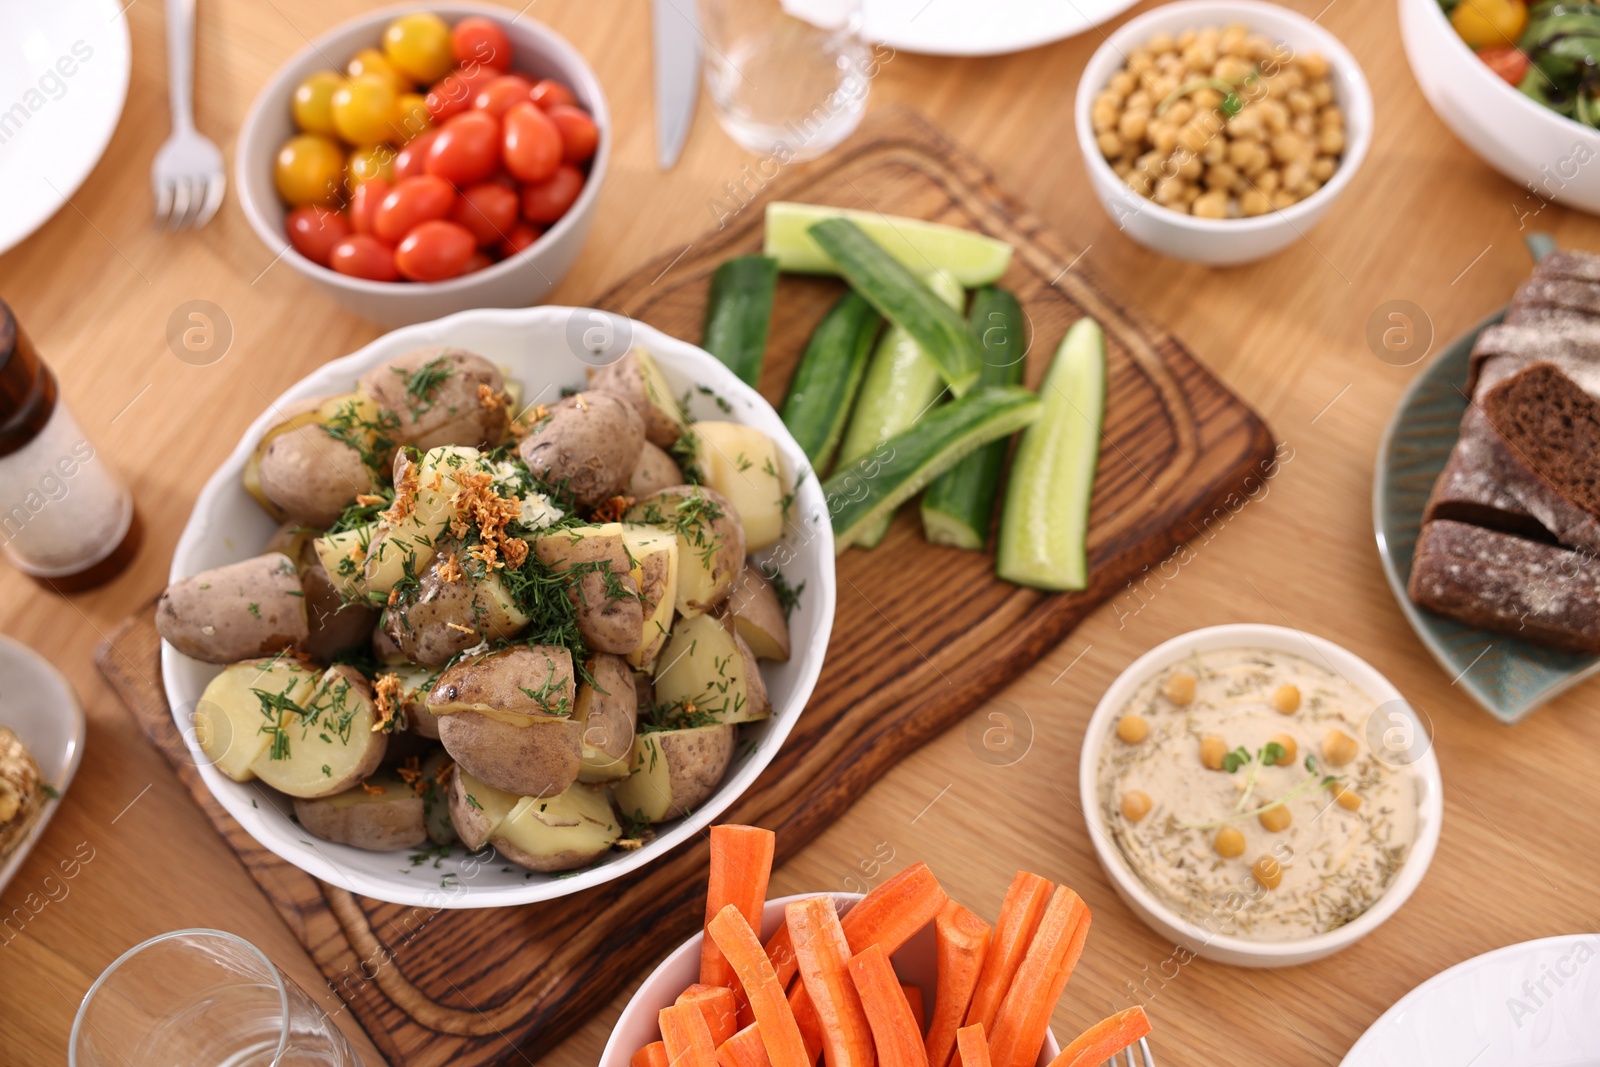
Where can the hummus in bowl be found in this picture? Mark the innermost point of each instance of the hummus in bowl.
(1261, 795)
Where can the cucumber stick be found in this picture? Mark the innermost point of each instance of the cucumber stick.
(1044, 529)
(739, 313)
(901, 384)
(921, 246)
(865, 493)
(829, 374)
(904, 299)
(957, 507)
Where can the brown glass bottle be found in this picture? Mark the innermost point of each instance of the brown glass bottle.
(66, 520)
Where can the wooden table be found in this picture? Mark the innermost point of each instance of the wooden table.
(1425, 221)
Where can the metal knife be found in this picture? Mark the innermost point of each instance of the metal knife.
(675, 28)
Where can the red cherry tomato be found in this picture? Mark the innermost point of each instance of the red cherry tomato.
(501, 93)
(545, 202)
(532, 143)
(480, 41)
(547, 93)
(434, 251)
(453, 93)
(488, 211)
(1508, 61)
(520, 236)
(478, 262)
(409, 161)
(363, 256)
(467, 150)
(579, 135)
(314, 230)
(410, 203)
(364, 203)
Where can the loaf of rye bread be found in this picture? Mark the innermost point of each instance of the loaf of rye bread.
(1496, 581)
(1551, 432)
(1474, 486)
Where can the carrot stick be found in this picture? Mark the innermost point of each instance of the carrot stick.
(741, 864)
(1024, 1016)
(754, 972)
(780, 951)
(821, 953)
(717, 1004)
(962, 942)
(743, 1049)
(971, 1047)
(686, 1036)
(914, 1002)
(652, 1055)
(1104, 1039)
(1019, 918)
(894, 1029)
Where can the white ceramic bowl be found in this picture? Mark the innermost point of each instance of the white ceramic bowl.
(1542, 151)
(539, 346)
(1237, 950)
(1222, 242)
(515, 282)
(638, 1024)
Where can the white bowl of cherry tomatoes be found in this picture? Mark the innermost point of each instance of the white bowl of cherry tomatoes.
(453, 161)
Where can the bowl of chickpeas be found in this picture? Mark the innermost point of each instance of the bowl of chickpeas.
(1220, 131)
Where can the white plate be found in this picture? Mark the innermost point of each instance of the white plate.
(63, 79)
(39, 705)
(538, 345)
(1536, 1004)
(994, 27)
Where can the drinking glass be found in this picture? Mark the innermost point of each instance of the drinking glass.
(202, 998)
(787, 77)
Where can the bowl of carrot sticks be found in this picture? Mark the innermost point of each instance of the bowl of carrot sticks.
(902, 975)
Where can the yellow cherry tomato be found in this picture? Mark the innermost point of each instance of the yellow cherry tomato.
(313, 102)
(309, 170)
(371, 61)
(363, 110)
(1486, 23)
(411, 117)
(368, 163)
(419, 45)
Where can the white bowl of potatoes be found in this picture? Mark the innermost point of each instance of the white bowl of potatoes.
(489, 612)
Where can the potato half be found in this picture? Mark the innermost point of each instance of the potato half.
(440, 396)
(507, 719)
(758, 615)
(252, 608)
(655, 568)
(606, 594)
(561, 832)
(311, 465)
(710, 542)
(587, 444)
(381, 814)
(707, 667)
(636, 379)
(325, 745)
(448, 613)
(607, 708)
(230, 714)
(477, 809)
(672, 772)
(654, 472)
(742, 464)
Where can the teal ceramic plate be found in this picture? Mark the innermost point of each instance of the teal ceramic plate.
(1509, 677)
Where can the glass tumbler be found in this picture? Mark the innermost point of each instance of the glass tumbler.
(202, 998)
(788, 78)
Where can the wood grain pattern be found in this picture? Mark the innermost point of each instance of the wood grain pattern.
(1177, 447)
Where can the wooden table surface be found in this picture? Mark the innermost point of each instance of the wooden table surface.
(1424, 221)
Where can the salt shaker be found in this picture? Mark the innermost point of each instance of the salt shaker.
(66, 518)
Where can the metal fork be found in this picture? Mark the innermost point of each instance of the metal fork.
(1144, 1051)
(187, 176)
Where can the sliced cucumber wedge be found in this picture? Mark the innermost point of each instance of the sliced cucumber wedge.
(1044, 529)
(824, 385)
(739, 313)
(921, 246)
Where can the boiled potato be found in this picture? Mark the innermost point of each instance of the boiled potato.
(434, 788)
(440, 396)
(515, 685)
(742, 464)
(229, 715)
(311, 465)
(326, 744)
(343, 556)
(507, 718)
(381, 814)
(414, 684)
(655, 569)
(335, 624)
(672, 772)
(707, 668)
(758, 615)
(435, 488)
(710, 542)
(654, 472)
(477, 809)
(438, 617)
(607, 708)
(559, 833)
(610, 611)
(636, 379)
(252, 608)
(587, 445)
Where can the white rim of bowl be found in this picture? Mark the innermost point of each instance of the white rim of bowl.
(1430, 807)
(1338, 55)
(274, 237)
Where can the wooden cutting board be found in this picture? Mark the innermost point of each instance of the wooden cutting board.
(922, 634)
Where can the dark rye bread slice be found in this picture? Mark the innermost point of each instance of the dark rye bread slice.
(1474, 486)
(1572, 264)
(1569, 294)
(1540, 593)
(1571, 342)
(1551, 430)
